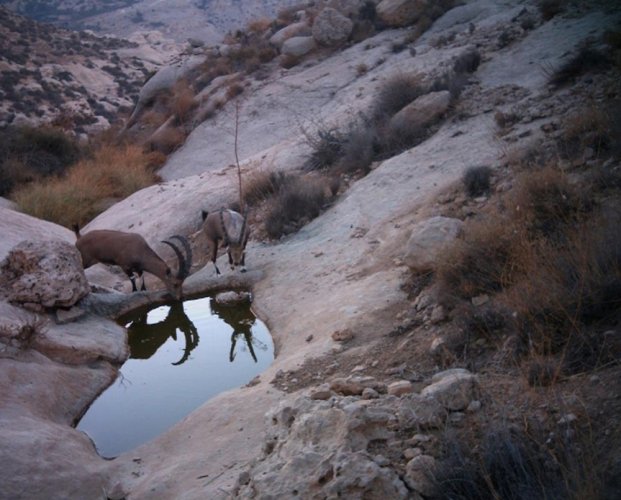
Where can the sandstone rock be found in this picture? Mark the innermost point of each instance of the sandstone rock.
(347, 387)
(296, 29)
(232, 299)
(401, 12)
(349, 8)
(162, 81)
(321, 393)
(454, 389)
(422, 112)
(420, 474)
(427, 239)
(400, 387)
(298, 46)
(342, 335)
(416, 411)
(331, 27)
(43, 274)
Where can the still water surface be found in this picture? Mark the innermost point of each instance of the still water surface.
(181, 356)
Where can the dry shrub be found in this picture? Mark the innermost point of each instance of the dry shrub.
(263, 184)
(509, 464)
(489, 258)
(477, 180)
(112, 172)
(591, 127)
(297, 203)
(361, 69)
(167, 140)
(550, 8)
(182, 101)
(28, 153)
(234, 89)
(586, 59)
(153, 118)
(395, 93)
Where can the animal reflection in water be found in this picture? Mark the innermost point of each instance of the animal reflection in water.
(146, 338)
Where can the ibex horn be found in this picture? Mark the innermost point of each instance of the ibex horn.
(184, 263)
(227, 238)
(243, 229)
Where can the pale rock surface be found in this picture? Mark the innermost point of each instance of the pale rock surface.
(429, 237)
(420, 474)
(313, 447)
(163, 80)
(453, 389)
(420, 412)
(43, 274)
(300, 28)
(422, 112)
(331, 27)
(401, 12)
(298, 45)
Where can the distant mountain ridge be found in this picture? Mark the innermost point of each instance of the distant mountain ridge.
(207, 20)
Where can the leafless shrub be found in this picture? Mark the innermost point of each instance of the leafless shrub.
(477, 180)
(585, 60)
(395, 93)
(296, 204)
(550, 8)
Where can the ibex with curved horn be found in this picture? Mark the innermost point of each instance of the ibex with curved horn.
(131, 253)
(229, 227)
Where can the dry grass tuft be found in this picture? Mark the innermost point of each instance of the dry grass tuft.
(112, 172)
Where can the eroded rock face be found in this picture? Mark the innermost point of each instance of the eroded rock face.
(43, 274)
(320, 449)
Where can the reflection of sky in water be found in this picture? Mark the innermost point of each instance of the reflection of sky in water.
(152, 394)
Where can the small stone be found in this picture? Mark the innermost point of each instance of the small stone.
(400, 387)
(369, 393)
(64, 316)
(321, 393)
(342, 335)
(474, 406)
(479, 300)
(309, 338)
(567, 419)
(410, 453)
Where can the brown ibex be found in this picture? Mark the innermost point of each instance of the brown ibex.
(133, 255)
(229, 227)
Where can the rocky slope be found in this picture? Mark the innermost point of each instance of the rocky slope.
(206, 20)
(357, 403)
(82, 81)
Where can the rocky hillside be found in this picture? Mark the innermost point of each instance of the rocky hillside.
(206, 20)
(445, 307)
(81, 81)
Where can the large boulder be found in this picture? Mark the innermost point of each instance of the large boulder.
(428, 238)
(331, 28)
(43, 274)
(401, 12)
(162, 81)
(454, 389)
(422, 112)
(298, 46)
(296, 29)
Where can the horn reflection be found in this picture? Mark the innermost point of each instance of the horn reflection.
(146, 338)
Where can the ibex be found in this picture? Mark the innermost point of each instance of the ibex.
(229, 227)
(133, 255)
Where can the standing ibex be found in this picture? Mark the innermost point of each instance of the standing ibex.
(230, 227)
(133, 255)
